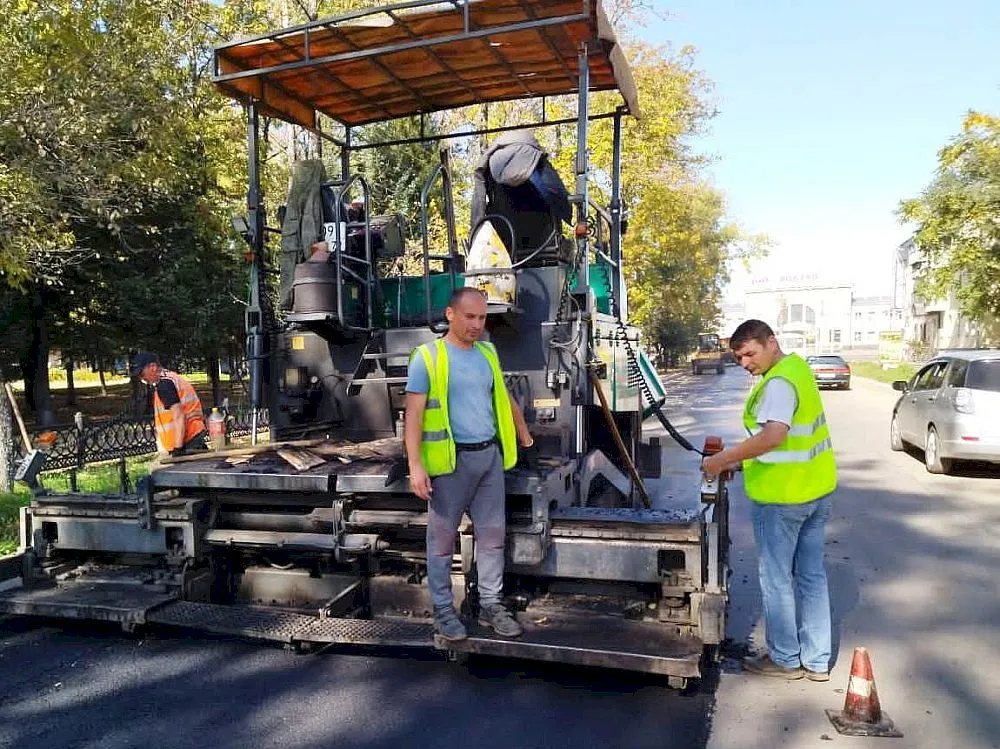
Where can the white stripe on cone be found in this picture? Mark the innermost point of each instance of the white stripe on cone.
(860, 687)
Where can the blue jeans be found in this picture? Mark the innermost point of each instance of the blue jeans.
(790, 560)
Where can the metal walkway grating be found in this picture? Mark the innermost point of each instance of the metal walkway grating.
(242, 621)
(384, 632)
(288, 627)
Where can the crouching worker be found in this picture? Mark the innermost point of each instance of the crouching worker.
(461, 435)
(177, 414)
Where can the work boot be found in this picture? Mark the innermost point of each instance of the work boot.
(500, 620)
(448, 625)
(764, 666)
(816, 675)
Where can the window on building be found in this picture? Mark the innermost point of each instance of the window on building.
(796, 313)
(836, 335)
(810, 316)
(857, 337)
(857, 315)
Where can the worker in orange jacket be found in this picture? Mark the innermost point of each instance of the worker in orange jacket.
(177, 413)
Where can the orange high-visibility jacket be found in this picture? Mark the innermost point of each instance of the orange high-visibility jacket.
(194, 420)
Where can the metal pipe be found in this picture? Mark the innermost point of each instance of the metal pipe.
(254, 319)
(583, 259)
(400, 48)
(343, 18)
(618, 284)
(369, 279)
(483, 131)
(582, 163)
(345, 156)
(449, 214)
(424, 220)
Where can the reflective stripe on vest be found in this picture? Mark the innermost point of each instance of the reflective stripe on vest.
(163, 418)
(802, 468)
(796, 456)
(801, 430)
(437, 445)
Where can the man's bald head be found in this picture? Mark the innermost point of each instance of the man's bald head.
(466, 314)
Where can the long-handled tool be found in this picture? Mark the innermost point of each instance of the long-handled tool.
(636, 480)
(17, 416)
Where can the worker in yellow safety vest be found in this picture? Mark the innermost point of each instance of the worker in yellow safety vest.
(177, 412)
(461, 434)
(789, 474)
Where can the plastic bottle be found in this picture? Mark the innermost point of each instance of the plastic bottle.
(217, 430)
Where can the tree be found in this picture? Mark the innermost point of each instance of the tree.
(957, 220)
(8, 442)
(120, 167)
(680, 245)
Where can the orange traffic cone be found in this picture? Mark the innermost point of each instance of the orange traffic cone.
(862, 714)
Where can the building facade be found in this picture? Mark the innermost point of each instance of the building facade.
(809, 314)
(930, 325)
(871, 316)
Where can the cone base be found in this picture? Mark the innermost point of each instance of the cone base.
(844, 725)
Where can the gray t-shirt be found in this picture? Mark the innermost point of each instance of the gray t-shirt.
(470, 392)
(777, 402)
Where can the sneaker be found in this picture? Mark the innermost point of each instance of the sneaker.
(448, 625)
(816, 675)
(500, 620)
(764, 666)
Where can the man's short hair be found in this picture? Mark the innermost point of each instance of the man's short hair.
(142, 360)
(459, 294)
(750, 330)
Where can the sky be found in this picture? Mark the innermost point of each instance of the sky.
(830, 113)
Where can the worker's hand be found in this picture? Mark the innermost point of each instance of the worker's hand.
(713, 465)
(527, 456)
(420, 482)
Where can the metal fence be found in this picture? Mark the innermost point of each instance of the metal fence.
(85, 442)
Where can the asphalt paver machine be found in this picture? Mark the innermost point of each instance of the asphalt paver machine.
(314, 538)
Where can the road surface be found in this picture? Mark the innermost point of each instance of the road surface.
(912, 561)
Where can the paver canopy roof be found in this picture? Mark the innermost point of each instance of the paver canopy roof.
(423, 56)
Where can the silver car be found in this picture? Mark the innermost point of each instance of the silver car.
(951, 408)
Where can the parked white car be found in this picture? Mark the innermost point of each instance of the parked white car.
(951, 408)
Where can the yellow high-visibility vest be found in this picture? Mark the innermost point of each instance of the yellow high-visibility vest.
(437, 444)
(802, 468)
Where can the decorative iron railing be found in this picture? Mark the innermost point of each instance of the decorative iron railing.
(96, 441)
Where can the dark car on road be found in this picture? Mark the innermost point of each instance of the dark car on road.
(950, 408)
(830, 371)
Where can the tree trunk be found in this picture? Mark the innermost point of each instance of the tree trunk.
(8, 440)
(27, 364)
(212, 368)
(100, 376)
(70, 384)
(40, 355)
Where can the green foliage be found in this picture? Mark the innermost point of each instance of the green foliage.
(121, 165)
(957, 220)
(679, 245)
(10, 505)
(875, 371)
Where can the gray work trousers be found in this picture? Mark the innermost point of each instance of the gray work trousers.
(476, 486)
